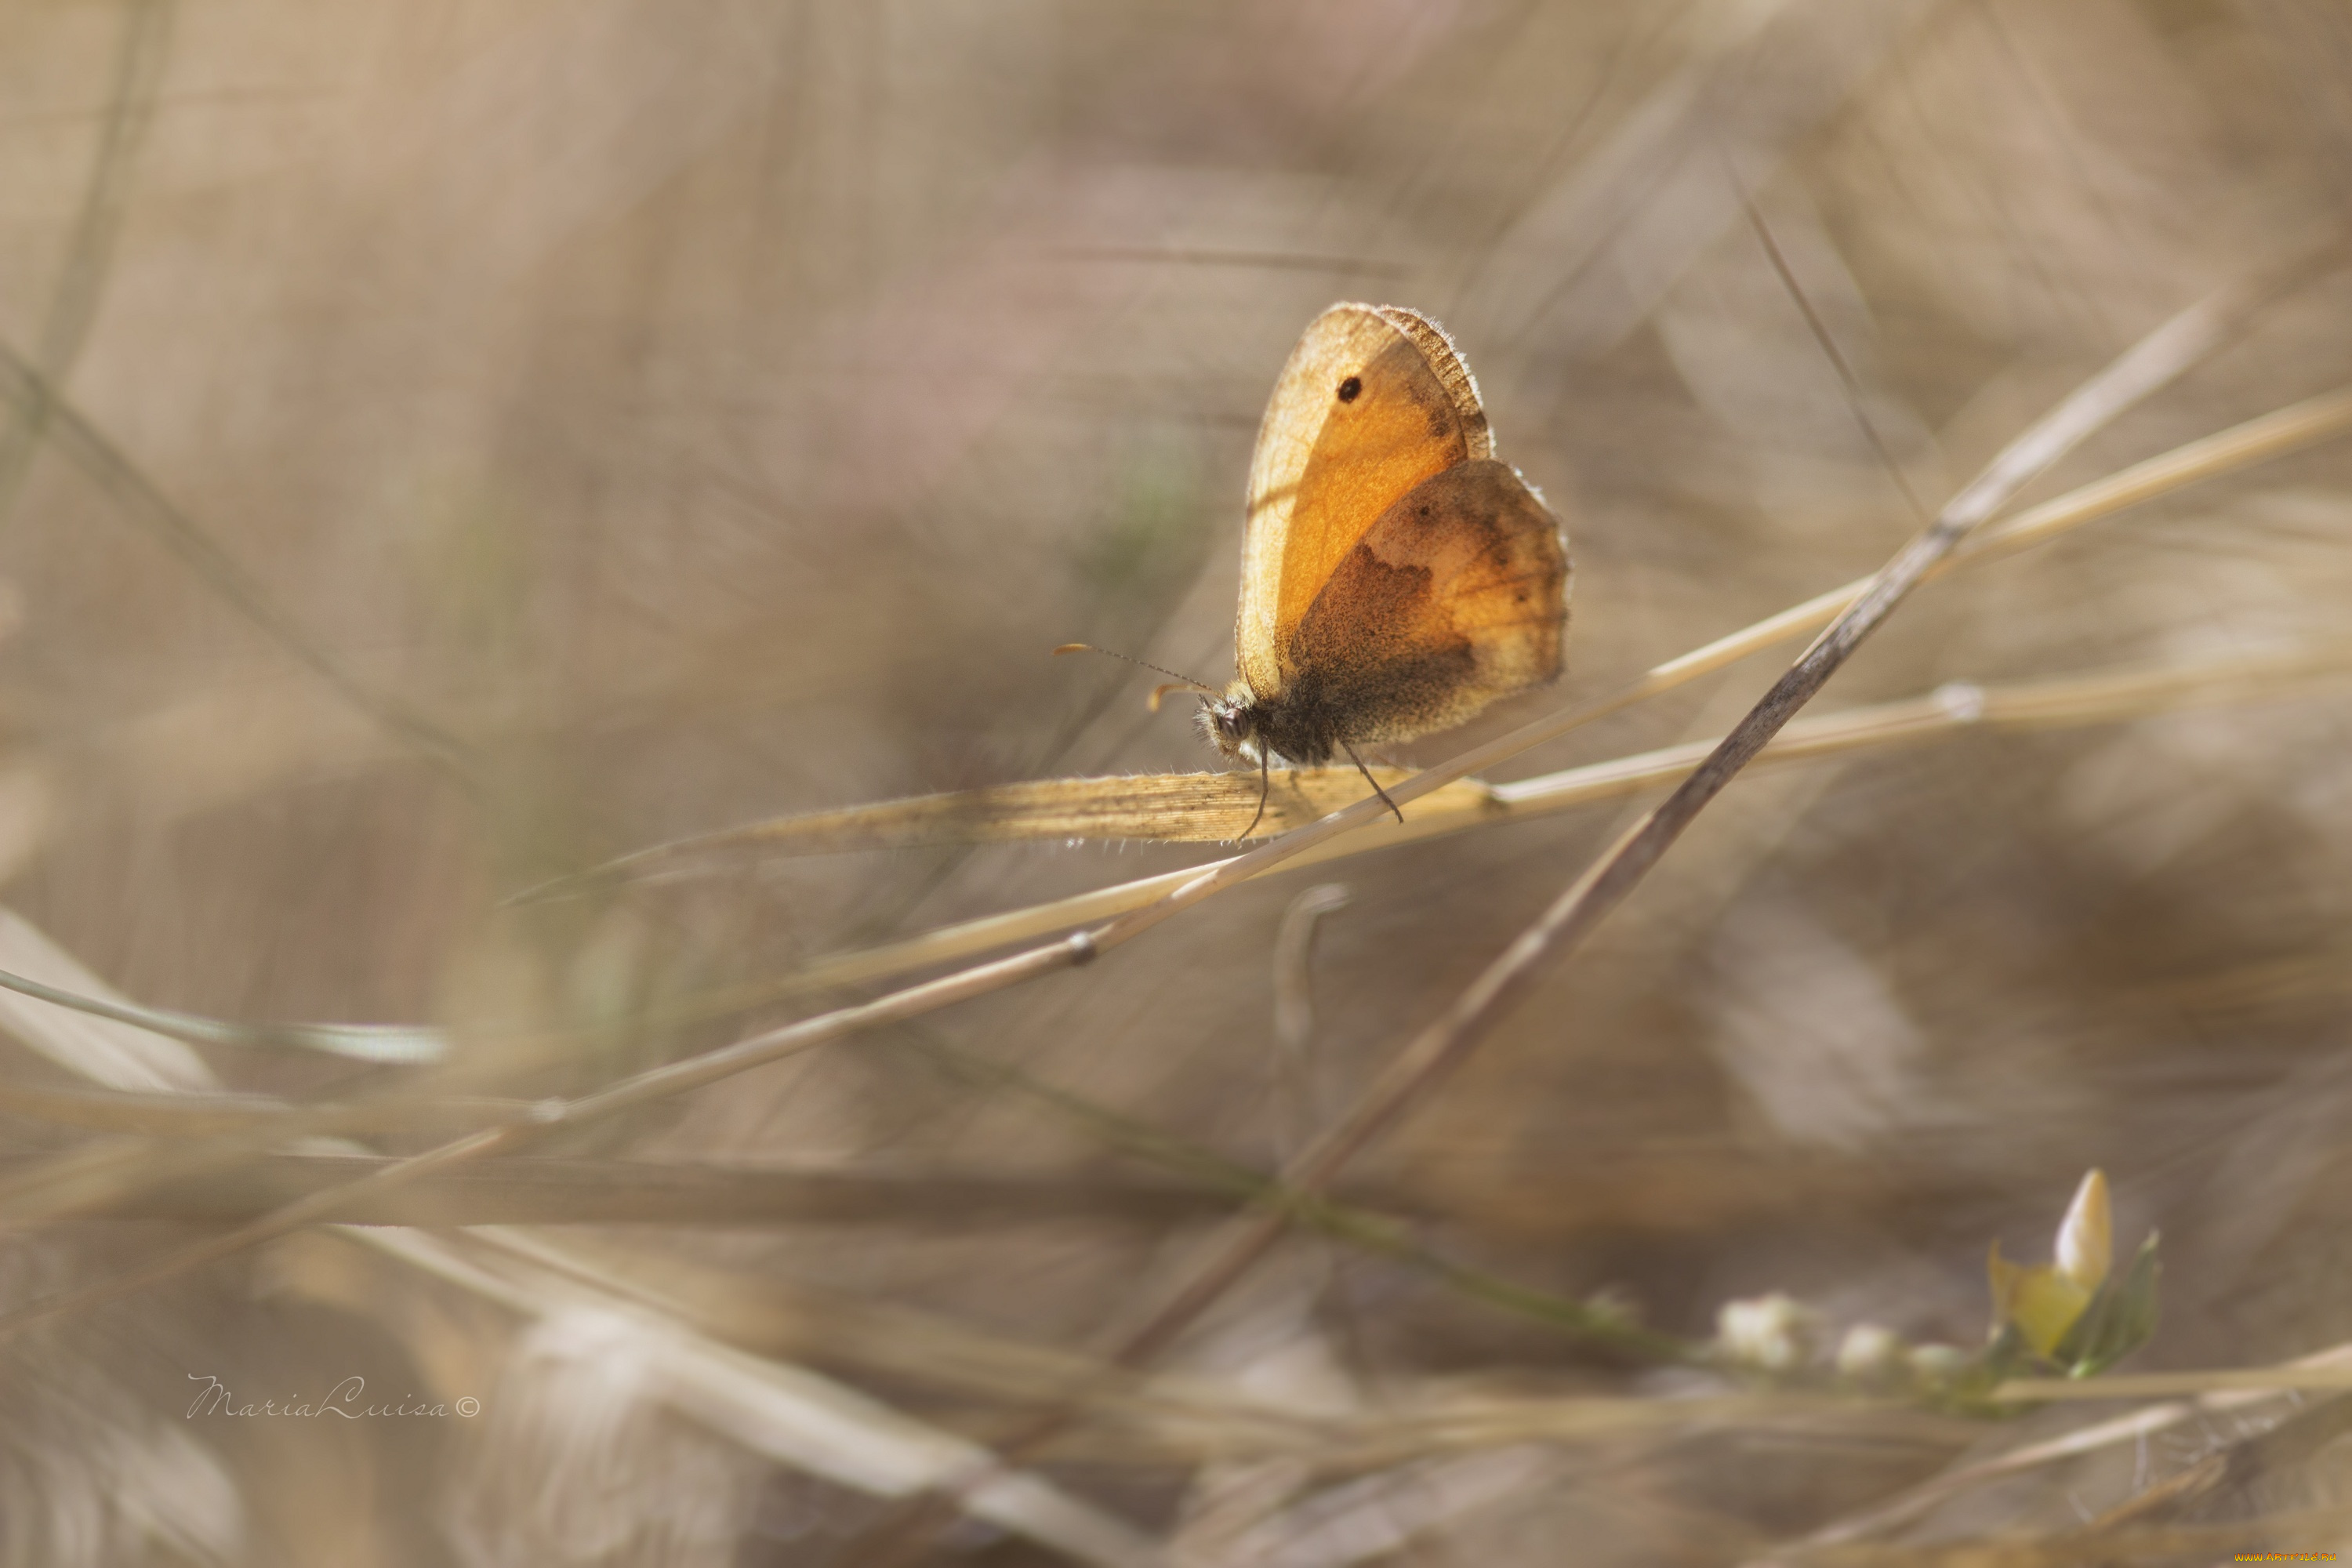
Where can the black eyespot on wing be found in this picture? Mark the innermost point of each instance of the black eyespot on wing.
(1351, 388)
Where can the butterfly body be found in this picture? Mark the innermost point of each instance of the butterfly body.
(1396, 579)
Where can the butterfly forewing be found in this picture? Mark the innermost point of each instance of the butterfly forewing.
(1372, 402)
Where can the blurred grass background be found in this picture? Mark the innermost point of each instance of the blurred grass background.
(452, 444)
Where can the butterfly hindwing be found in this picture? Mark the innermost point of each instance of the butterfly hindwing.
(1373, 402)
(1453, 596)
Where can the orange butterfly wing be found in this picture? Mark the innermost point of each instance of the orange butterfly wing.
(1456, 596)
(1373, 401)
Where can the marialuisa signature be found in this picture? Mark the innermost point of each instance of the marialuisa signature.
(342, 1400)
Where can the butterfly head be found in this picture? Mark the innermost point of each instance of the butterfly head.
(1234, 724)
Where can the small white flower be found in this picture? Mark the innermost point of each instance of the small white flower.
(1773, 1333)
(1869, 1352)
(1938, 1363)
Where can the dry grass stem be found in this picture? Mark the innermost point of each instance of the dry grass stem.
(2134, 1428)
(2108, 697)
(1209, 806)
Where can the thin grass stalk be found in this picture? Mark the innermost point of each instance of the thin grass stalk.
(2136, 1426)
(83, 444)
(398, 1042)
(145, 51)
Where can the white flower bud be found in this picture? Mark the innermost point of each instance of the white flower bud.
(2086, 1247)
(1773, 1333)
(1869, 1352)
(1938, 1363)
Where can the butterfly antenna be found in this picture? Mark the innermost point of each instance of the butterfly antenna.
(1183, 682)
(1265, 787)
(1371, 780)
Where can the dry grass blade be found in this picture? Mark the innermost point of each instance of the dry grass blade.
(2095, 698)
(1145, 1417)
(95, 1176)
(186, 1115)
(791, 1415)
(799, 1321)
(200, 1115)
(2278, 1537)
(315, 1207)
(556, 1191)
(1360, 1221)
(2103, 697)
(396, 1043)
(644, 1088)
(1193, 808)
(786, 1413)
(93, 1042)
(2257, 440)
(2284, 1379)
(210, 1146)
(2136, 1427)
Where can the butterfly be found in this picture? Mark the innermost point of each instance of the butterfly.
(1396, 578)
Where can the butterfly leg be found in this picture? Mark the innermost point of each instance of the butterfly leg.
(1265, 787)
(1371, 780)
